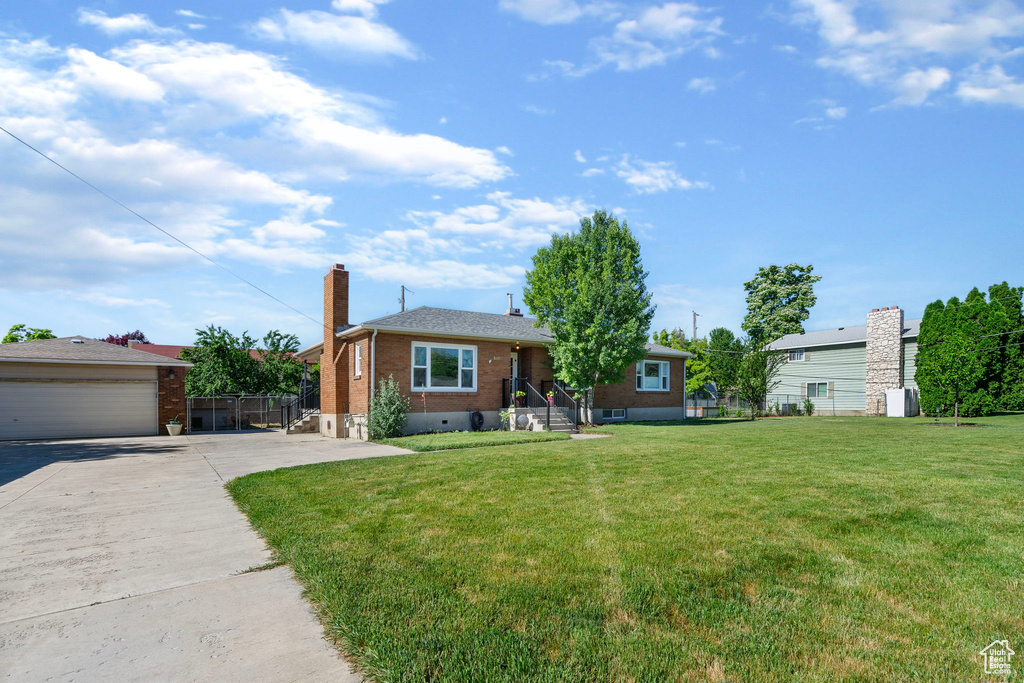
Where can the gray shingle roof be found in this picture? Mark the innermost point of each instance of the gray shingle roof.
(446, 321)
(463, 323)
(83, 350)
(842, 335)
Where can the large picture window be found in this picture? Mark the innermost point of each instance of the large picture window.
(443, 367)
(652, 375)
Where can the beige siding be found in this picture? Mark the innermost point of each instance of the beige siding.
(909, 363)
(12, 370)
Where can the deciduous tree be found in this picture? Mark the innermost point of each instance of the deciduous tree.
(589, 289)
(757, 375)
(20, 333)
(123, 339)
(779, 300)
(725, 351)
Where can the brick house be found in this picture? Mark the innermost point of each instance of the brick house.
(452, 364)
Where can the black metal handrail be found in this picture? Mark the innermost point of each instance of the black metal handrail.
(539, 405)
(509, 388)
(295, 411)
(566, 405)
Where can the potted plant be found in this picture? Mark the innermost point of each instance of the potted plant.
(551, 398)
(174, 426)
(520, 399)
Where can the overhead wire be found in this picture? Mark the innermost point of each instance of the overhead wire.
(162, 230)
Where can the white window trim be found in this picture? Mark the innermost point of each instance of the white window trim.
(359, 359)
(613, 415)
(442, 390)
(667, 366)
(801, 359)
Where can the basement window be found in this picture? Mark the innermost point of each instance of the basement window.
(445, 367)
(613, 414)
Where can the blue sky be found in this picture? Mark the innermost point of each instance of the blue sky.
(439, 144)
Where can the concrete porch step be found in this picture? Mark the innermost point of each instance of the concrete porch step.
(308, 425)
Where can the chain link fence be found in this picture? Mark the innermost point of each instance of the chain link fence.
(234, 413)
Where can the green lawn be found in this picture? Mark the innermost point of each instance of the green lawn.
(449, 440)
(784, 549)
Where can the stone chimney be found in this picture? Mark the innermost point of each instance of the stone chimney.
(333, 363)
(884, 351)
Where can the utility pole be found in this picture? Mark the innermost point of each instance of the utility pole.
(695, 314)
(402, 299)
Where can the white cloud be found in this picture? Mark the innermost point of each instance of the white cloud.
(102, 299)
(659, 34)
(110, 78)
(992, 86)
(591, 172)
(557, 11)
(578, 155)
(651, 36)
(335, 34)
(126, 23)
(913, 49)
(836, 113)
(649, 177)
(189, 13)
(327, 133)
(701, 85)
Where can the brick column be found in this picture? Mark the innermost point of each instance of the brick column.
(170, 396)
(884, 368)
(334, 373)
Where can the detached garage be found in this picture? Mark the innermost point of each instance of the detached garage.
(76, 387)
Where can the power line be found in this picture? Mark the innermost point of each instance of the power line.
(168, 234)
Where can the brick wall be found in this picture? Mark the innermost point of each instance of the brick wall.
(359, 387)
(170, 395)
(625, 394)
(535, 364)
(394, 357)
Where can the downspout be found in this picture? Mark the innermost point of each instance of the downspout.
(684, 388)
(373, 362)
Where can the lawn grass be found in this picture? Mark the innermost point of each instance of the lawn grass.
(450, 440)
(784, 549)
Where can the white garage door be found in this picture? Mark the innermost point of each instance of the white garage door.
(43, 410)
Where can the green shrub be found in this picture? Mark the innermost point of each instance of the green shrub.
(808, 407)
(388, 410)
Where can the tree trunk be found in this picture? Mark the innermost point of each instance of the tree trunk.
(956, 414)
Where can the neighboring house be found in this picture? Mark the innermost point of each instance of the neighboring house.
(847, 371)
(452, 363)
(77, 387)
(174, 351)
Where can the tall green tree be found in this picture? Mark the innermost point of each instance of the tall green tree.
(20, 333)
(589, 289)
(725, 351)
(969, 358)
(779, 300)
(757, 375)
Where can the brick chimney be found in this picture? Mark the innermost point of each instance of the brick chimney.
(333, 363)
(884, 356)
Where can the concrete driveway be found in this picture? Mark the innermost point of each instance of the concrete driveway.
(120, 560)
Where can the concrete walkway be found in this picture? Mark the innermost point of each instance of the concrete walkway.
(120, 560)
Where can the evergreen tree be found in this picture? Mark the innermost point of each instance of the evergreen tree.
(969, 359)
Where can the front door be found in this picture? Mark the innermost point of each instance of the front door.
(514, 365)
